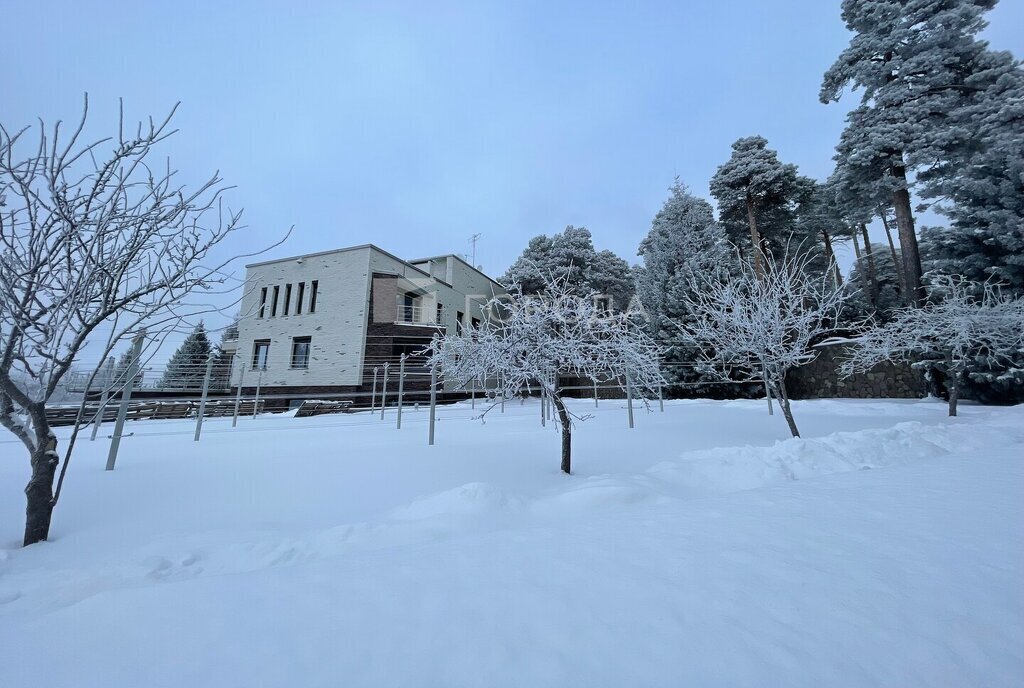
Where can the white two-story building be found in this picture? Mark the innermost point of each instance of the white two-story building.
(321, 323)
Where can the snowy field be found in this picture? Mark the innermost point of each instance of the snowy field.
(701, 548)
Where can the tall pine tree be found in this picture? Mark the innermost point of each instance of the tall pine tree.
(912, 60)
(757, 197)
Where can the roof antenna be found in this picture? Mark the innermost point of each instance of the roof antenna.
(473, 239)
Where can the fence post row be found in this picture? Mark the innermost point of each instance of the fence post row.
(126, 396)
(202, 399)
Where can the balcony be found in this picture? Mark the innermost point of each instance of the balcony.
(424, 316)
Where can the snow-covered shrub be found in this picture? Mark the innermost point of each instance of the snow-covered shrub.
(530, 340)
(949, 333)
(760, 327)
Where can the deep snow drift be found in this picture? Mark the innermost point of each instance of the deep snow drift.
(885, 548)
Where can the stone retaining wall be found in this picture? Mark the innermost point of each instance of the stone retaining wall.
(820, 379)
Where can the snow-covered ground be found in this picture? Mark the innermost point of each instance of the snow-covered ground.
(701, 548)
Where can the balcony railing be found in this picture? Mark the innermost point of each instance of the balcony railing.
(419, 315)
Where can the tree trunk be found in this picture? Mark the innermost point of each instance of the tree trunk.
(908, 240)
(783, 397)
(895, 259)
(755, 238)
(564, 421)
(830, 254)
(872, 273)
(952, 383)
(39, 491)
(856, 246)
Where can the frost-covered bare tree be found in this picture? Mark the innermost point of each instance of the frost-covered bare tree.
(764, 325)
(958, 330)
(529, 340)
(97, 241)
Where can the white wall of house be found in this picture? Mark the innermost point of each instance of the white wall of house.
(336, 329)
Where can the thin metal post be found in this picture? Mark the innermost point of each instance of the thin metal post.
(384, 392)
(202, 399)
(126, 396)
(661, 398)
(373, 394)
(472, 393)
(401, 389)
(433, 402)
(595, 393)
(501, 388)
(238, 395)
(108, 382)
(256, 401)
(767, 392)
(554, 387)
(543, 408)
(629, 399)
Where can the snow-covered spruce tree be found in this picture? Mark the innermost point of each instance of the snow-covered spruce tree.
(763, 326)
(220, 374)
(187, 366)
(94, 237)
(685, 244)
(571, 256)
(980, 180)
(956, 330)
(914, 62)
(757, 196)
(530, 340)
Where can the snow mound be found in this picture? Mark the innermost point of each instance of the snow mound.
(730, 469)
(598, 492)
(465, 500)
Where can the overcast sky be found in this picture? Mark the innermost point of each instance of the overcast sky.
(414, 125)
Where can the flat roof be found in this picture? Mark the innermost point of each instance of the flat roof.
(374, 247)
(360, 247)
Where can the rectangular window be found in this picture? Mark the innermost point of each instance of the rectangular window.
(313, 288)
(476, 324)
(459, 315)
(301, 292)
(260, 351)
(410, 347)
(437, 320)
(407, 309)
(263, 301)
(300, 352)
(273, 302)
(287, 298)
